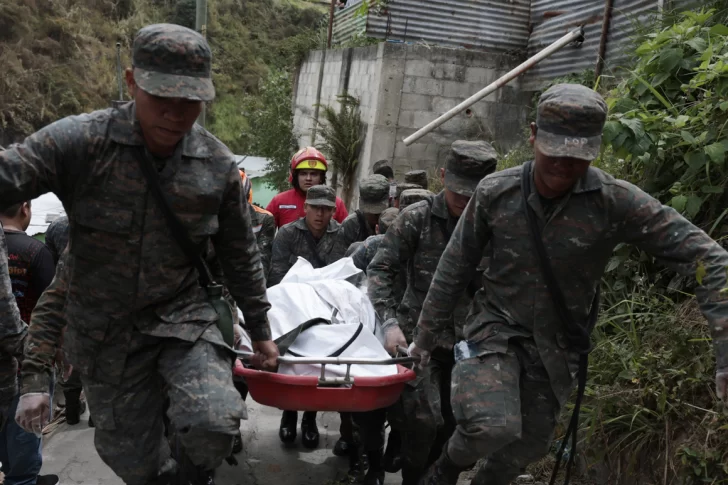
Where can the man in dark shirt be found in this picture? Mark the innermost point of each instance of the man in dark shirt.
(31, 270)
(30, 263)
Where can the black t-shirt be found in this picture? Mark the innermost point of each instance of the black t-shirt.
(31, 269)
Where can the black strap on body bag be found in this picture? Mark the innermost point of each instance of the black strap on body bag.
(578, 335)
(193, 252)
(314, 249)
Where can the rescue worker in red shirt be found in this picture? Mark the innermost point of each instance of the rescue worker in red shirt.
(308, 168)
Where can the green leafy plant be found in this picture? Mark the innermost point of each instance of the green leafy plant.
(669, 115)
(343, 134)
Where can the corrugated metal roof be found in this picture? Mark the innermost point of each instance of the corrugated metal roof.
(494, 25)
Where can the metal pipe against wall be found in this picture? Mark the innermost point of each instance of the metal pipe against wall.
(201, 27)
(331, 24)
(607, 19)
(576, 34)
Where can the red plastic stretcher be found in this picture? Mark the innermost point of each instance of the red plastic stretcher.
(311, 393)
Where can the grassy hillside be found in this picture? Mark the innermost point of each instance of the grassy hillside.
(58, 56)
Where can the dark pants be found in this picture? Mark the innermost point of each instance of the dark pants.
(20, 451)
(370, 430)
(424, 417)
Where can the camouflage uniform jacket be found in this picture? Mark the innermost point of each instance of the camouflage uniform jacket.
(126, 270)
(362, 252)
(414, 243)
(579, 236)
(264, 227)
(291, 242)
(12, 334)
(355, 228)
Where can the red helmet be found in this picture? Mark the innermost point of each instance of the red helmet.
(308, 158)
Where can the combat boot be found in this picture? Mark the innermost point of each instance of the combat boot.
(375, 474)
(392, 462)
(442, 472)
(309, 430)
(74, 406)
(289, 420)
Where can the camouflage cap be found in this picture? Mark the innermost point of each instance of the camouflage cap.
(411, 196)
(374, 194)
(468, 163)
(383, 167)
(386, 219)
(402, 187)
(418, 177)
(321, 195)
(570, 119)
(172, 61)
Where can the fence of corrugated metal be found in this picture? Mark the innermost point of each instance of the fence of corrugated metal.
(347, 24)
(513, 26)
(498, 25)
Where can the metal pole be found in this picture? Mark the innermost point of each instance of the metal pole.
(118, 71)
(603, 39)
(331, 23)
(201, 27)
(500, 82)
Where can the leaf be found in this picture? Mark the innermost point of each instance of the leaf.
(613, 264)
(692, 207)
(611, 130)
(681, 121)
(670, 58)
(634, 125)
(700, 273)
(708, 189)
(719, 29)
(716, 152)
(723, 106)
(678, 203)
(688, 137)
(698, 43)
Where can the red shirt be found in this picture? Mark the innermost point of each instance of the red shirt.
(288, 206)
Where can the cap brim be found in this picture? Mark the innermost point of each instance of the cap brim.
(373, 207)
(321, 202)
(460, 185)
(174, 86)
(581, 147)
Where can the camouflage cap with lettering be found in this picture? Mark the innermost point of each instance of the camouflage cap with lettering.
(570, 119)
(411, 196)
(321, 195)
(468, 163)
(374, 194)
(405, 186)
(386, 219)
(418, 177)
(172, 61)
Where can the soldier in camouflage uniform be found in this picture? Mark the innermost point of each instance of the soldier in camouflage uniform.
(313, 238)
(401, 188)
(517, 366)
(362, 252)
(413, 244)
(139, 322)
(264, 224)
(359, 225)
(412, 196)
(13, 332)
(416, 177)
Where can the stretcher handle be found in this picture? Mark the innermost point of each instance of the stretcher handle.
(334, 360)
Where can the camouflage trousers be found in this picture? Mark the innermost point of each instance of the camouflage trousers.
(423, 416)
(204, 407)
(505, 411)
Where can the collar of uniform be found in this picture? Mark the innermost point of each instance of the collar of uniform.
(439, 206)
(125, 130)
(589, 182)
(301, 225)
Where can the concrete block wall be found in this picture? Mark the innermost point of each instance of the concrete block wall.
(402, 88)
